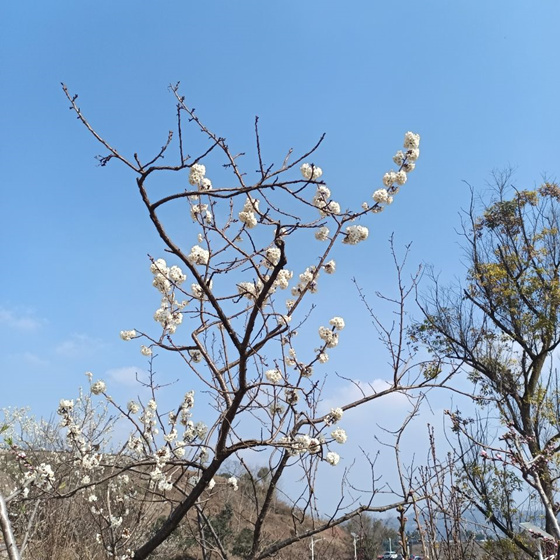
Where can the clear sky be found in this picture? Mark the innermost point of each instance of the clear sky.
(478, 80)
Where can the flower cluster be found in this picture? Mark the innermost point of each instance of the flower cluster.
(321, 201)
(322, 234)
(310, 171)
(273, 375)
(335, 415)
(198, 255)
(200, 212)
(394, 179)
(330, 267)
(168, 315)
(272, 257)
(98, 387)
(328, 335)
(198, 179)
(355, 234)
(339, 435)
(248, 214)
(307, 281)
(42, 476)
(250, 290)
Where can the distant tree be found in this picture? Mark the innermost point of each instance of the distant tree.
(502, 329)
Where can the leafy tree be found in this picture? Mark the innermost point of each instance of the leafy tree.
(502, 329)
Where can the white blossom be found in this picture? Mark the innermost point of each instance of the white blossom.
(399, 157)
(133, 407)
(273, 375)
(128, 335)
(196, 355)
(330, 267)
(355, 234)
(310, 171)
(336, 414)
(198, 255)
(322, 234)
(339, 435)
(389, 178)
(380, 196)
(98, 387)
(400, 178)
(176, 275)
(232, 482)
(196, 173)
(337, 323)
(332, 458)
(146, 350)
(273, 255)
(411, 140)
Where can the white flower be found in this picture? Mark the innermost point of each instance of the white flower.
(332, 458)
(355, 234)
(196, 355)
(232, 482)
(409, 166)
(310, 171)
(176, 275)
(205, 184)
(322, 234)
(331, 208)
(250, 290)
(380, 196)
(400, 178)
(411, 140)
(337, 323)
(398, 158)
(128, 335)
(330, 338)
(323, 358)
(335, 414)
(389, 178)
(198, 255)
(196, 173)
(273, 375)
(330, 267)
(98, 387)
(65, 406)
(133, 407)
(411, 156)
(314, 445)
(211, 484)
(339, 435)
(159, 266)
(161, 283)
(146, 350)
(273, 255)
(283, 320)
(247, 215)
(152, 405)
(283, 279)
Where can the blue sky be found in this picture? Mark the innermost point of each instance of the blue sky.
(478, 80)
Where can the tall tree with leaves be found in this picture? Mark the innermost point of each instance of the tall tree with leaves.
(502, 328)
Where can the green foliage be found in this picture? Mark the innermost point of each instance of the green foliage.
(243, 542)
